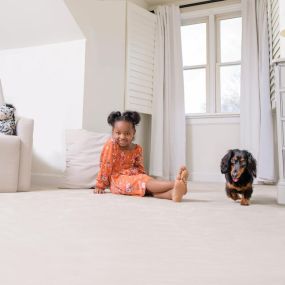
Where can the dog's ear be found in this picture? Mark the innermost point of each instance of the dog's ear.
(226, 162)
(251, 164)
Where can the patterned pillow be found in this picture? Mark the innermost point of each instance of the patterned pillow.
(7, 119)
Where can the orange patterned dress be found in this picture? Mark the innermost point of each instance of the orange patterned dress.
(122, 170)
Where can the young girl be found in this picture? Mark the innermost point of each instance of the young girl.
(121, 164)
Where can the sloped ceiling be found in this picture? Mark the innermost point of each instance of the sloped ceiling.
(35, 22)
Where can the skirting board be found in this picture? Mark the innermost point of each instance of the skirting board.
(281, 192)
(54, 180)
(46, 180)
(206, 177)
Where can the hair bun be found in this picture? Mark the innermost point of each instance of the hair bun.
(132, 116)
(113, 117)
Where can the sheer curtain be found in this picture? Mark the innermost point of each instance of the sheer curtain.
(256, 122)
(168, 138)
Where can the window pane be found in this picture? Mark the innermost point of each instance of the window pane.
(230, 88)
(230, 39)
(194, 44)
(195, 90)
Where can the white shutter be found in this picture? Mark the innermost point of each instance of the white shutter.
(140, 59)
(274, 38)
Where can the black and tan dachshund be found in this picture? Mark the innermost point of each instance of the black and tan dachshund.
(239, 167)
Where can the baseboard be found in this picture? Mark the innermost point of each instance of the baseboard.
(199, 177)
(281, 192)
(54, 180)
(46, 180)
(206, 177)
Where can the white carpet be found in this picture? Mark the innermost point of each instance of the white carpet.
(68, 237)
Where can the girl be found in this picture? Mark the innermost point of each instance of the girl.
(121, 164)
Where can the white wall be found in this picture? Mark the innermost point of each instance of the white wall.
(46, 83)
(42, 56)
(208, 140)
(103, 24)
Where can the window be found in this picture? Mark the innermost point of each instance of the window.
(211, 50)
(229, 56)
(195, 64)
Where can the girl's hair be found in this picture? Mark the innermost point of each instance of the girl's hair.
(130, 116)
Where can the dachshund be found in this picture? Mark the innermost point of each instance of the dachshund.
(239, 167)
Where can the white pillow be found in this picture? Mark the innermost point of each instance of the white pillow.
(83, 149)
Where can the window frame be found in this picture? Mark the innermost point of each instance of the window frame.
(211, 16)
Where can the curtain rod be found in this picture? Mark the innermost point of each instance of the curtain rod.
(196, 4)
(199, 3)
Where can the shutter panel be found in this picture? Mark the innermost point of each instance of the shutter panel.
(274, 38)
(140, 59)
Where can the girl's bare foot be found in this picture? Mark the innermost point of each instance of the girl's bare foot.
(184, 176)
(180, 186)
(182, 168)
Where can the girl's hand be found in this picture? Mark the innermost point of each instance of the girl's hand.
(98, 191)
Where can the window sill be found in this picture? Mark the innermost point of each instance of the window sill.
(212, 118)
(212, 115)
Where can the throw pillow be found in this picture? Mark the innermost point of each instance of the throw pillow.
(83, 149)
(7, 119)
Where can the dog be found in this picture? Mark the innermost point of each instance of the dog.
(239, 167)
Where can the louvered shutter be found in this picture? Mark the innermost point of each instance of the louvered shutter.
(274, 37)
(140, 59)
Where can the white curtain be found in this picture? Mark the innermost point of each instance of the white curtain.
(256, 122)
(168, 142)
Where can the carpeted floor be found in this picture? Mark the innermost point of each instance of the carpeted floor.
(68, 237)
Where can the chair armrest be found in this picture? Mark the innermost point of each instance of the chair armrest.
(9, 159)
(24, 130)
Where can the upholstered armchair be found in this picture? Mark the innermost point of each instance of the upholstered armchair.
(16, 156)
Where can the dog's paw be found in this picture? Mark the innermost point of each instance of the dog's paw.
(235, 196)
(244, 202)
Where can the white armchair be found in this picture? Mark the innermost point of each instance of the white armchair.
(16, 156)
